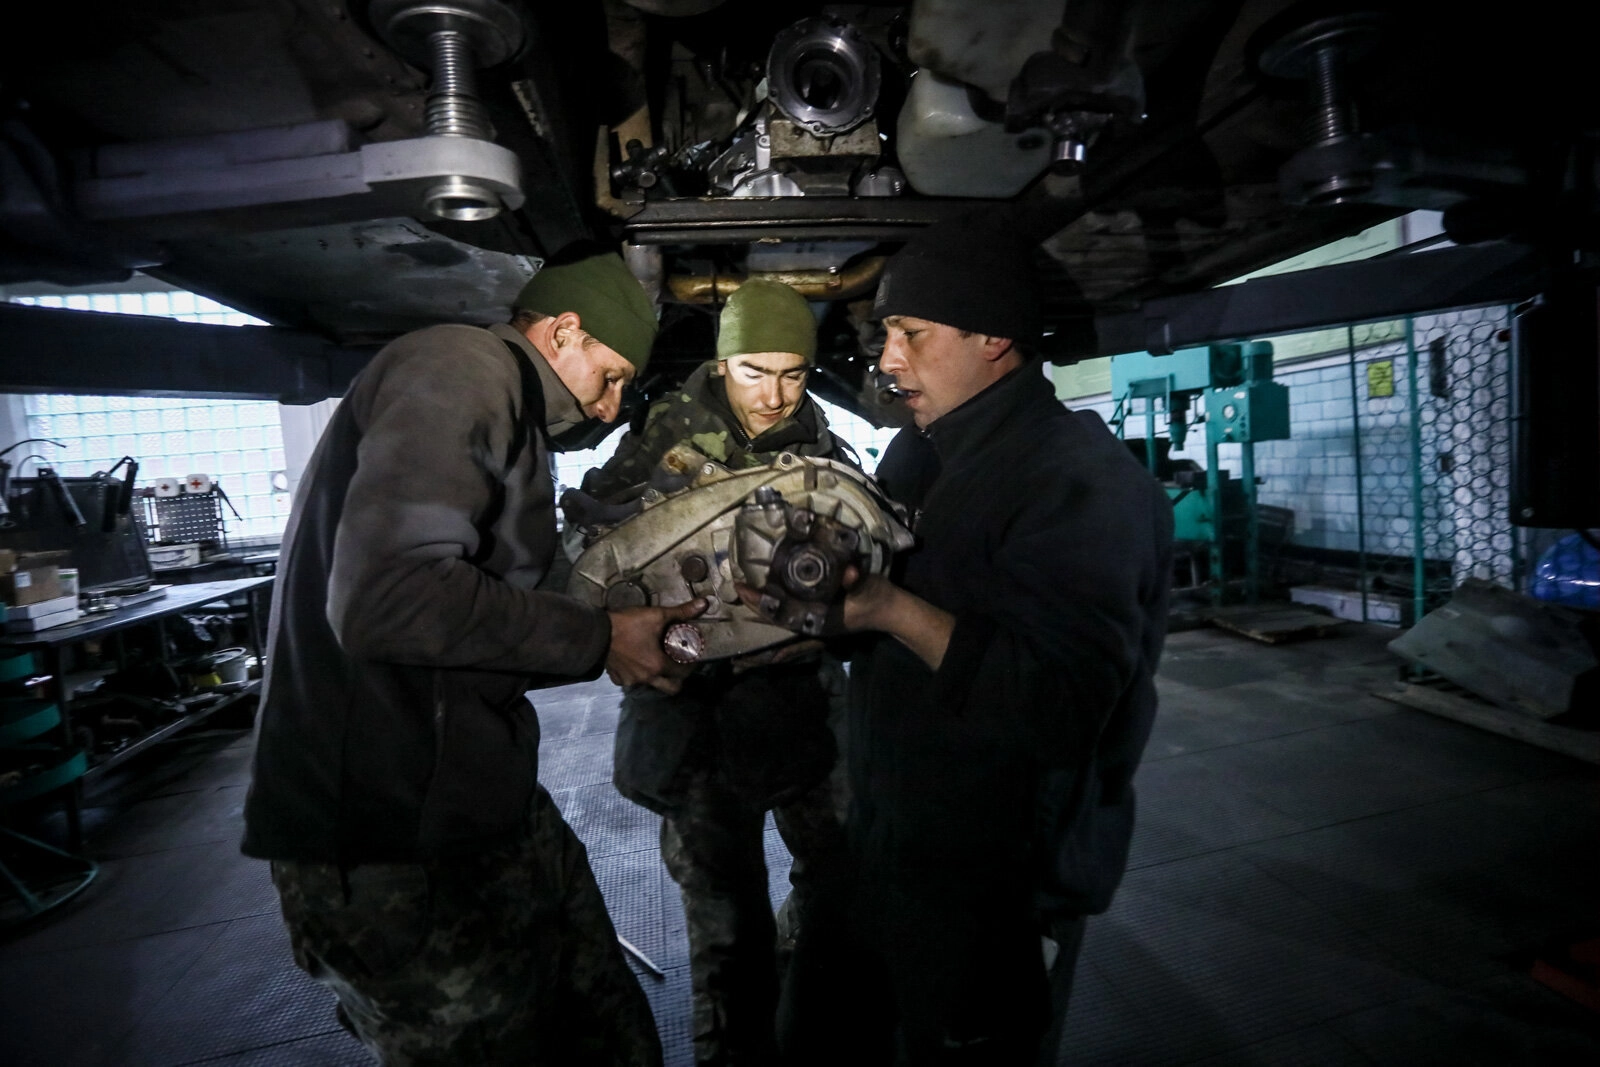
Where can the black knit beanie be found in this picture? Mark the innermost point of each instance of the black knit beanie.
(974, 272)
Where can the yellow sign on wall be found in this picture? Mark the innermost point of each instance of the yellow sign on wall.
(1380, 378)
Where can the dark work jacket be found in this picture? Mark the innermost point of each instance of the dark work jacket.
(406, 623)
(765, 729)
(1009, 770)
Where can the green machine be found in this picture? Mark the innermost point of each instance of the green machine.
(1239, 404)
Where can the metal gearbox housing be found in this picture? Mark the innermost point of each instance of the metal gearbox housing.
(824, 74)
(788, 530)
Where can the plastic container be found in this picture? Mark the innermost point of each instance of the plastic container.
(1568, 573)
(945, 149)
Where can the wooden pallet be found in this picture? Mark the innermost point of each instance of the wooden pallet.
(1274, 624)
(1580, 744)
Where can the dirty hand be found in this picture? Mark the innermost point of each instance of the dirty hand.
(636, 657)
(872, 602)
(867, 603)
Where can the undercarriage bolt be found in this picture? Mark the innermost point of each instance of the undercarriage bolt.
(451, 38)
(1336, 166)
(1332, 116)
(454, 109)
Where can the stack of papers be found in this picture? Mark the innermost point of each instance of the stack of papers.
(31, 618)
(128, 600)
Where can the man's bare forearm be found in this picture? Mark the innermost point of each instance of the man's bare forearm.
(920, 626)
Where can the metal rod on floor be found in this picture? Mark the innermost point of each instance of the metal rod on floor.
(649, 965)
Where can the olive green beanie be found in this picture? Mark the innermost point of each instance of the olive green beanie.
(610, 303)
(767, 316)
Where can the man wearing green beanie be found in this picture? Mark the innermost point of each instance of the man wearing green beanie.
(599, 291)
(424, 874)
(735, 744)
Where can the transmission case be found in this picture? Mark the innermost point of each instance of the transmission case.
(788, 530)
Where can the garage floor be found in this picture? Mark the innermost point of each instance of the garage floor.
(1318, 877)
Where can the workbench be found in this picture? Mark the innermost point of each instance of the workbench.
(49, 647)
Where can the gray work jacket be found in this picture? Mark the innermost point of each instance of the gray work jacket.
(406, 622)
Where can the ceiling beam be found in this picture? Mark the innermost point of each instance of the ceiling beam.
(53, 350)
(1371, 290)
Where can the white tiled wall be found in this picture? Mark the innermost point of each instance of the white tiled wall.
(1313, 473)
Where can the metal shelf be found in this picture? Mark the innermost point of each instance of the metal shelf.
(48, 645)
(178, 599)
(161, 733)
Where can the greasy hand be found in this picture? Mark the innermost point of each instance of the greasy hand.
(875, 603)
(867, 604)
(636, 657)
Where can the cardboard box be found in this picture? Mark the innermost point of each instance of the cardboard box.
(31, 577)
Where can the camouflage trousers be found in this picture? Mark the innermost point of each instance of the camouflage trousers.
(499, 958)
(713, 846)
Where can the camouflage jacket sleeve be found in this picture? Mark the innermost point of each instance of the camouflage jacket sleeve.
(628, 466)
(676, 418)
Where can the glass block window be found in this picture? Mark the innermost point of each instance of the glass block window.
(239, 443)
(868, 440)
(175, 304)
(570, 467)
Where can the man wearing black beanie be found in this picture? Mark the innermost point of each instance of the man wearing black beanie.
(1003, 690)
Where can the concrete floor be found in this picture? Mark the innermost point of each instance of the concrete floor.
(1318, 877)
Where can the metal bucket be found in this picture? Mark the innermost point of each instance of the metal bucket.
(230, 665)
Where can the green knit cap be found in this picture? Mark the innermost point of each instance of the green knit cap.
(610, 303)
(767, 316)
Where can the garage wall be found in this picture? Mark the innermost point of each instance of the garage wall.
(1350, 472)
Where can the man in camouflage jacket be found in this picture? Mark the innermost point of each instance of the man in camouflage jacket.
(425, 875)
(732, 745)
